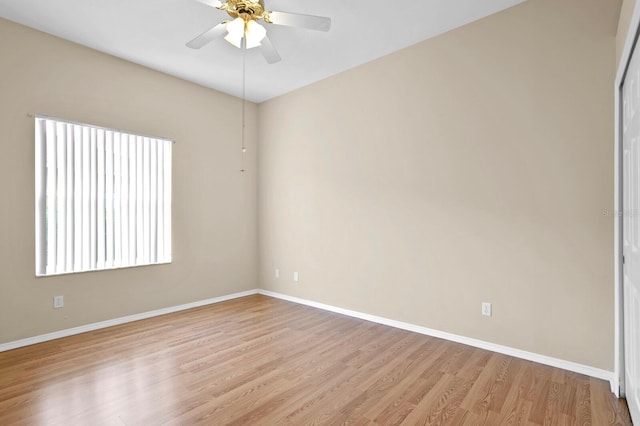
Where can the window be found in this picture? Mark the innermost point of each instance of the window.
(103, 198)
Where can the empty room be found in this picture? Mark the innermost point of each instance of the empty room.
(227, 212)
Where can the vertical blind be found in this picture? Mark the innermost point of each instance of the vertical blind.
(103, 198)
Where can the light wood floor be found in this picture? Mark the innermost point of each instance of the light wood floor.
(263, 361)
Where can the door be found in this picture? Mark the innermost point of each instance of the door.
(630, 94)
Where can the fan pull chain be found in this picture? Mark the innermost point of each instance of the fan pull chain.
(244, 83)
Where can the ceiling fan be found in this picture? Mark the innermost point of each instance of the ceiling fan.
(245, 26)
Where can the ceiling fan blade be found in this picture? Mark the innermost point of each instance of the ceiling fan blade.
(269, 52)
(318, 23)
(213, 3)
(207, 36)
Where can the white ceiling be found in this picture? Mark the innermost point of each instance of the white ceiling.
(153, 33)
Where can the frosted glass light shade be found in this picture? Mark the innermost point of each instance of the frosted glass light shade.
(235, 31)
(255, 34)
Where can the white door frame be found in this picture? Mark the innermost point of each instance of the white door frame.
(630, 41)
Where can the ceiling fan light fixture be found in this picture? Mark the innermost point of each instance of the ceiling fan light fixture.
(255, 34)
(235, 31)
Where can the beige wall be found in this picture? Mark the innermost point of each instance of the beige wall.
(472, 167)
(624, 22)
(214, 205)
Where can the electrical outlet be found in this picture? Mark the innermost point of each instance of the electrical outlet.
(277, 273)
(296, 277)
(486, 309)
(58, 302)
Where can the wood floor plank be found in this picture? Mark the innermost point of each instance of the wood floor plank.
(583, 403)
(516, 408)
(259, 360)
(441, 404)
(606, 410)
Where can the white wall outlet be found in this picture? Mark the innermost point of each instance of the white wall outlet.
(277, 273)
(58, 302)
(296, 277)
(486, 309)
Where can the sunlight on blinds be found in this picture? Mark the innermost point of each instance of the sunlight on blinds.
(103, 198)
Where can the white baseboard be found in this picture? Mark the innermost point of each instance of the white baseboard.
(615, 385)
(117, 321)
(530, 356)
(506, 350)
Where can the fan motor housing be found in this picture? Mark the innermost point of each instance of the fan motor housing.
(247, 10)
